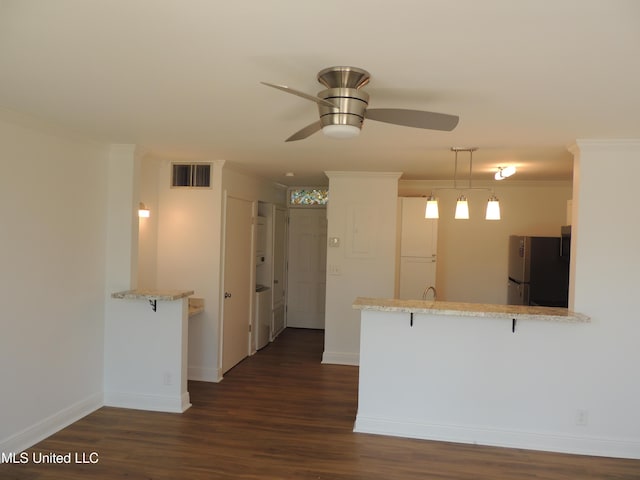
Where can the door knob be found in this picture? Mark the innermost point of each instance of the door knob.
(227, 295)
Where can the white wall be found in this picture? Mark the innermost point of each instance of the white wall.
(606, 259)
(53, 201)
(181, 248)
(362, 212)
(149, 185)
(250, 187)
(472, 254)
(184, 253)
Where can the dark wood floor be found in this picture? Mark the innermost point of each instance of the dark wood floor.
(282, 415)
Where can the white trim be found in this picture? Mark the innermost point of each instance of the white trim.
(605, 144)
(606, 447)
(341, 358)
(348, 174)
(204, 374)
(52, 424)
(143, 401)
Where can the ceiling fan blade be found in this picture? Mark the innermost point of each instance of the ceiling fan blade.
(284, 88)
(413, 118)
(305, 132)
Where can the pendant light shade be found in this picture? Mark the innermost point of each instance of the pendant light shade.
(432, 208)
(493, 208)
(462, 208)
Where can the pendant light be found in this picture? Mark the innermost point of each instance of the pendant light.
(493, 208)
(432, 207)
(462, 208)
(462, 204)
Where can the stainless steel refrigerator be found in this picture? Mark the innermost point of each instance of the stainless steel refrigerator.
(538, 272)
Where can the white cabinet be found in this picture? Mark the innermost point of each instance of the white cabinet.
(416, 274)
(418, 247)
(419, 235)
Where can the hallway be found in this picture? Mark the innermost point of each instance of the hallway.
(281, 414)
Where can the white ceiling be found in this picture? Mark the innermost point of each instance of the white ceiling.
(181, 78)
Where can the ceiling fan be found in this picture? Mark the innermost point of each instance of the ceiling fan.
(343, 107)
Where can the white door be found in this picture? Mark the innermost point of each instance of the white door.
(238, 261)
(306, 281)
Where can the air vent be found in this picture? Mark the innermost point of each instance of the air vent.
(192, 175)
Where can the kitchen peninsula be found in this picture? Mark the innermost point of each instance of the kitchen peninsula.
(470, 373)
(146, 350)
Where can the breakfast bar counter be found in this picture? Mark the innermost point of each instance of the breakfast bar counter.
(145, 294)
(146, 345)
(471, 373)
(518, 312)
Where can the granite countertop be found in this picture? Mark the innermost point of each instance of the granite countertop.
(518, 312)
(166, 295)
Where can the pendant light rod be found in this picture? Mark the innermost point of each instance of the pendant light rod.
(455, 171)
(470, 165)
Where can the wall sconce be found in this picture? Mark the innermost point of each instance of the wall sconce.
(143, 211)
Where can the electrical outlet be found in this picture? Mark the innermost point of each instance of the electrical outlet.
(167, 378)
(335, 269)
(582, 417)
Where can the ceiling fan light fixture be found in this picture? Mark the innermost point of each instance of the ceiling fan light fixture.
(341, 131)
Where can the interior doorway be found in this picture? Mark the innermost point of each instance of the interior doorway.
(238, 262)
(306, 276)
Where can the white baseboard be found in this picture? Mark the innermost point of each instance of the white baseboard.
(607, 447)
(154, 403)
(341, 358)
(50, 425)
(204, 374)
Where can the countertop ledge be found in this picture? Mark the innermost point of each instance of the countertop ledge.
(518, 312)
(163, 295)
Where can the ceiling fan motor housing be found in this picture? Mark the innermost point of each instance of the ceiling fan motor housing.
(351, 105)
(343, 77)
(343, 85)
